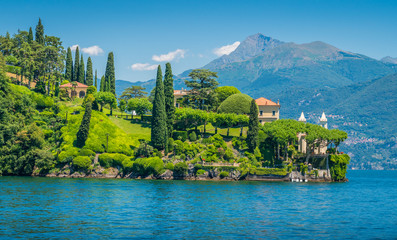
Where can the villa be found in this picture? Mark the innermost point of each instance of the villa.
(269, 111)
(75, 88)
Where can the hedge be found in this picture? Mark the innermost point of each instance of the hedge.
(224, 174)
(268, 171)
(107, 160)
(86, 152)
(148, 166)
(82, 162)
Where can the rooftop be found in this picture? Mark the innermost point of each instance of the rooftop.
(265, 102)
(69, 85)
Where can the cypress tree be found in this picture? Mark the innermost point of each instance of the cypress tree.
(81, 70)
(88, 77)
(102, 85)
(96, 80)
(40, 33)
(76, 64)
(69, 65)
(30, 36)
(110, 78)
(169, 98)
(84, 129)
(253, 127)
(159, 118)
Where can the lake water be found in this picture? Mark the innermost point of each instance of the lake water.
(363, 208)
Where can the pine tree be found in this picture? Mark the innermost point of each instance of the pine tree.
(88, 77)
(69, 65)
(84, 129)
(169, 98)
(76, 65)
(159, 118)
(253, 127)
(110, 78)
(81, 70)
(103, 84)
(96, 80)
(30, 36)
(40, 33)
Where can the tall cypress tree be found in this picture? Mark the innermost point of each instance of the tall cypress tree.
(159, 118)
(253, 127)
(169, 98)
(88, 77)
(96, 80)
(81, 70)
(103, 84)
(110, 78)
(69, 65)
(84, 129)
(76, 64)
(30, 36)
(40, 33)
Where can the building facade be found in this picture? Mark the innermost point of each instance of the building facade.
(78, 90)
(302, 145)
(269, 111)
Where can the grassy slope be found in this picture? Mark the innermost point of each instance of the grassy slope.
(135, 130)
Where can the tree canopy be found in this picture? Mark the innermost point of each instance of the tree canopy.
(224, 92)
(202, 86)
(133, 92)
(237, 103)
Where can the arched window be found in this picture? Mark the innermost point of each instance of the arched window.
(74, 94)
(81, 94)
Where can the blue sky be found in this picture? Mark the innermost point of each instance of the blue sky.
(188, 32)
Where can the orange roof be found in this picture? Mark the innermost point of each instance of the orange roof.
(180, 92)
(265, 102)
(69, 85)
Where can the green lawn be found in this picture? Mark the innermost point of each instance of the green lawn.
(136, 130)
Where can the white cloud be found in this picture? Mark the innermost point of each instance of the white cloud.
(179, 53)
(143, 67)
(226, 50)
(93, 50)
(73, 48)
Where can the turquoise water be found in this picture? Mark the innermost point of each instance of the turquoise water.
(364, 208)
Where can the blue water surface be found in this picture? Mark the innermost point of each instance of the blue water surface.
(363, 208)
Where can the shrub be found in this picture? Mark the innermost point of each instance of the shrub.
(338, 166)
(144, 150)
(182, 156)
(82, 163)
(200, 172)
(178, 149)
(224, 174)
(237, 103)
(169, 166)
(170, 144)
(127, 165)
(147, 166)
(180, 135)
(198, 166)
(192, 136)
(180, 168)
(228, 154)
(86, 152)
(111, 160)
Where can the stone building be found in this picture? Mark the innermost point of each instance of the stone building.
(302, 145)
(75, 89)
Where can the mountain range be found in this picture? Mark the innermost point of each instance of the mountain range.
(355, 91)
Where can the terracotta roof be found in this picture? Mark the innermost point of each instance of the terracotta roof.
(263, 102)
(69, 85)
(180, 92)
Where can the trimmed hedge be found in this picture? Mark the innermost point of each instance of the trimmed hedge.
(81, 162)
(107, 160)
(268, 171)
(147, 166)
(86, 152)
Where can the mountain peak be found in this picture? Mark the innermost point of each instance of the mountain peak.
(253, 45)
(389, 59)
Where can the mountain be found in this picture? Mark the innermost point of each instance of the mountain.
(389, 59)
(314, 77)
(366, 111)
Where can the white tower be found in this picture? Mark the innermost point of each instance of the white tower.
(302, 118)
(324, 121)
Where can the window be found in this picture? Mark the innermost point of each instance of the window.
(260, 113)
(274, 113)
(260, 121)
(177, 105)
